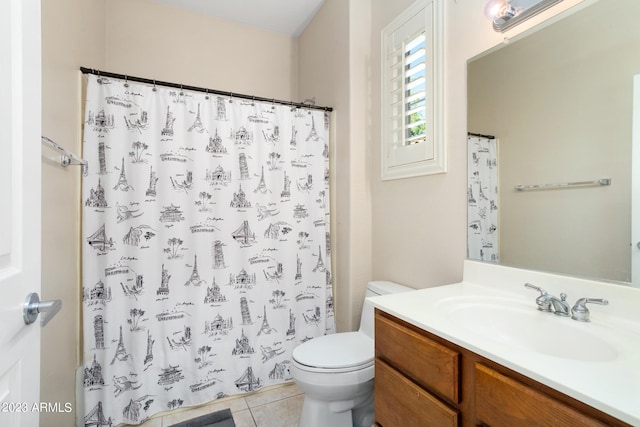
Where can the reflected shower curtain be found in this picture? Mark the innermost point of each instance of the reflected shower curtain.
(482, 199)
(205, 240)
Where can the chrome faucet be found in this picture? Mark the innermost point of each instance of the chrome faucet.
(549, 303)
(560, 306)
(580, 312)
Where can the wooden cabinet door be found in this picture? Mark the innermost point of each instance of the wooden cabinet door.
(399, 402)
(504, 402)
(428, 363)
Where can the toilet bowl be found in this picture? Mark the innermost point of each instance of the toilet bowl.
(335, 371)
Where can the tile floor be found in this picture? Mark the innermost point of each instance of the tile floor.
(278, 406)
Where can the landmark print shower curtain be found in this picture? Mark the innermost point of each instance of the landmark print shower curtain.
(205, 239)
(482, 199)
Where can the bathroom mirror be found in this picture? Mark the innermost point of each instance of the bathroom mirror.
(560, 104)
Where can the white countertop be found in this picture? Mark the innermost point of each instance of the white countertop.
(611, 385)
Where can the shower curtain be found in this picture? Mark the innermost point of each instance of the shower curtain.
(482, 199)
(206, 255)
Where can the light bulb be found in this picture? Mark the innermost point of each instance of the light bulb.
(492, 8)
(500, 11)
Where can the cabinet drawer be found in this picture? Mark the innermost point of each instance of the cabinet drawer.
(426, 362)
(503, 401)
(401, 403)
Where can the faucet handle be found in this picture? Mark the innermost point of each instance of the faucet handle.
(543, 301)
(580, 312)
(537, 288)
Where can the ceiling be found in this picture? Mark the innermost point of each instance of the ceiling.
(282, 16)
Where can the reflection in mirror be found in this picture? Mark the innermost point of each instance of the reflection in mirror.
(560, 104)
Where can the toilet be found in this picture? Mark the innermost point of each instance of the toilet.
(335, 371)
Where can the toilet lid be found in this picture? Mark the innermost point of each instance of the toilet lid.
(336, 351)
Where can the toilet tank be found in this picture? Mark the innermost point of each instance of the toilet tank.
(376, 288)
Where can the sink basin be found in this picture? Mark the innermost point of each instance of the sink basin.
(522, 326)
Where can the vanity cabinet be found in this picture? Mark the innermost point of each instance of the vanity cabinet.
(416, 379)
(424, 380)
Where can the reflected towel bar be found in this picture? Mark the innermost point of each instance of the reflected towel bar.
(603, 181)
(67, 158)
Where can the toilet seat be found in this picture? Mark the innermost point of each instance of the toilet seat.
(343, 352)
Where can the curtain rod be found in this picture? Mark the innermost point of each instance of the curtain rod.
(100, 73)
(481, 135)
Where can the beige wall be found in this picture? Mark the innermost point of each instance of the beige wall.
(324, 73)
(418, 223)
(72, 34)
(334, 65)
(152, 40)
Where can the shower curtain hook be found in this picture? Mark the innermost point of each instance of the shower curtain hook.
(154, 86)
(292, 107)
(99, 78)
(207, 95)
(253, 101)
(181, 91)
(230, 97)
(273, 103)
(125, 81)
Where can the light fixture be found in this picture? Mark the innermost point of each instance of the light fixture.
(508, 13)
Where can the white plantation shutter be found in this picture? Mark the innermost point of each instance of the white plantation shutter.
(411, 88)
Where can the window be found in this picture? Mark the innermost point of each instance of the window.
(412, 88)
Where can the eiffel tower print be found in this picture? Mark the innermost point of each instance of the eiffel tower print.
(121, 352)
(320, 265)
(122, 184)
(313, 135)
(197, 124)
(265, 328)
(195, 277)
(262, 187)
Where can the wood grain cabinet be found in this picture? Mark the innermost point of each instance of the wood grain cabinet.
(423, 380)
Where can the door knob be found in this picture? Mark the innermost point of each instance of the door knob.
(33, 306)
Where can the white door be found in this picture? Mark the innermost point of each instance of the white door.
(19, 209)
